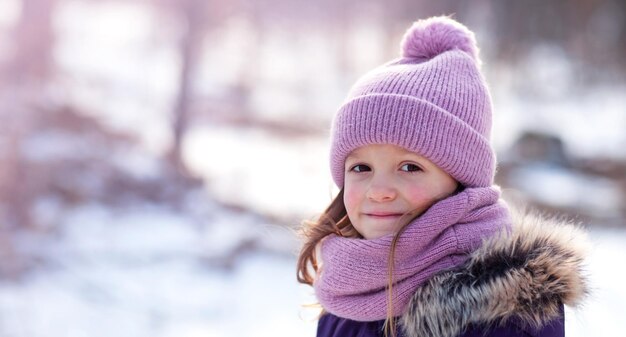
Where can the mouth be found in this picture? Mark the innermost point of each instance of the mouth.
(383, 215)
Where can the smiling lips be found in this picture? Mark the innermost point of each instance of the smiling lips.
(383, 215)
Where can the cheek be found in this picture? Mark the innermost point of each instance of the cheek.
(418, 196)
(352, 197)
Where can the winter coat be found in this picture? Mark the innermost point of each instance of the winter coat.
(514, 285)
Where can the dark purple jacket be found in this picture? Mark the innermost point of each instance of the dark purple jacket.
(332, 326)
(513, 285)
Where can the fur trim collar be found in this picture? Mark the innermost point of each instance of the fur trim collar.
(525, 275)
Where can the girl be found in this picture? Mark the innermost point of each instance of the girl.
(418, 241)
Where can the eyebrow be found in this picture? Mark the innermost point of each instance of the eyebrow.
(350, 160)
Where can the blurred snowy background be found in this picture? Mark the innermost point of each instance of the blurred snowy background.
(157, 156)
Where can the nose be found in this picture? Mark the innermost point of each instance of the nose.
(381, 192)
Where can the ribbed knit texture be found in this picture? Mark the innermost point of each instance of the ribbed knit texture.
(353, 278)
(432, 100)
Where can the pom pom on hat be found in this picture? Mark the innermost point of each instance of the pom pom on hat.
(430, 37)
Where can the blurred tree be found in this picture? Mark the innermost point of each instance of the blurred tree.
(33, 39)
(26, 72)
(197, 18)
(23, 76)
(192, 13)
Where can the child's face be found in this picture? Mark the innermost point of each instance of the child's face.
(383, 182)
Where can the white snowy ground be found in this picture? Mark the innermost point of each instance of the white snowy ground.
(148, 272)
(144, 272)
(603, 314)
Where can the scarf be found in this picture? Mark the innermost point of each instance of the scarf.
(353, 278)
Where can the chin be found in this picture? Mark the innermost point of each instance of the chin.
(374, 236)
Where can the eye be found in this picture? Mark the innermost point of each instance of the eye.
(410, 168)
(360, 168)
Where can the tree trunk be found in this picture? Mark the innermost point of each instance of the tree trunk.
(189, 47)
(33, 41)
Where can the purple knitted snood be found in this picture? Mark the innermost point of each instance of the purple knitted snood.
(353, 278)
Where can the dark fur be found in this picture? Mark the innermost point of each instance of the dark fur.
(523, 275)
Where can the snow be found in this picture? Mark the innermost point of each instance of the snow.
(137, 163)
(55, 144)
(602, 314)
(262, 171)
(143, 272)
(559, 187)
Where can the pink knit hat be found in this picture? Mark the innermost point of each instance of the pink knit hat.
(432, 100)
